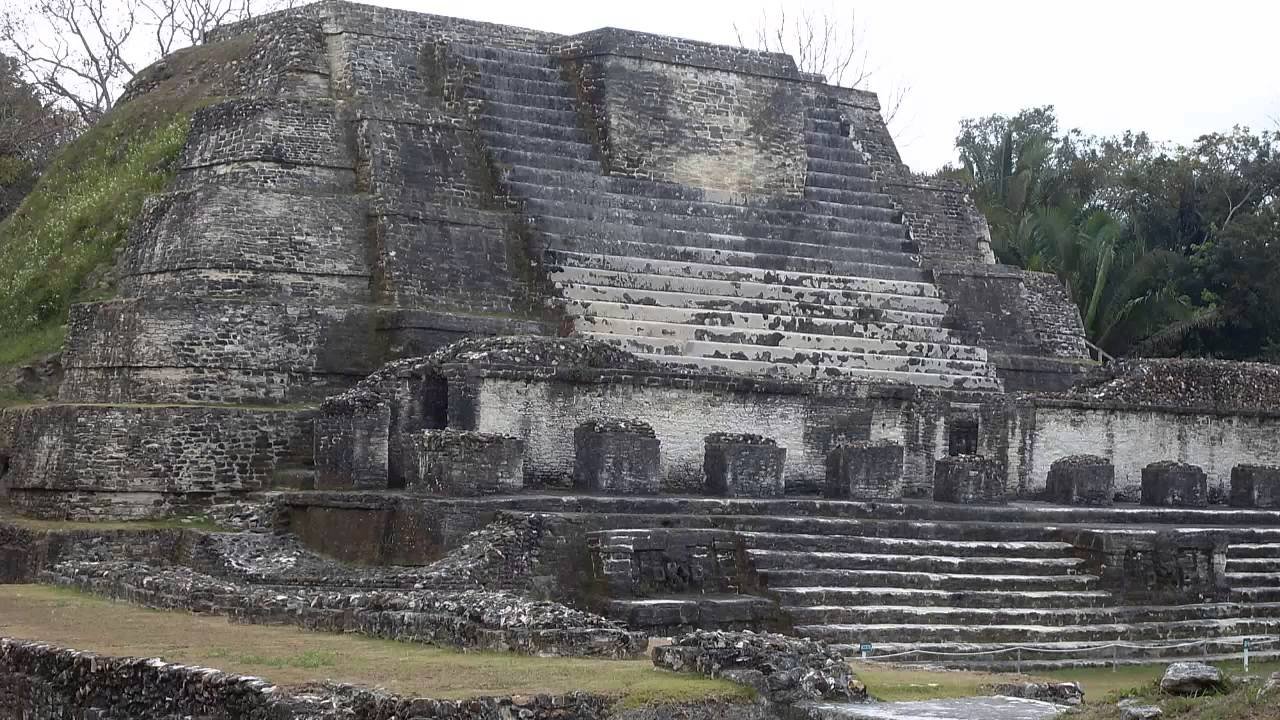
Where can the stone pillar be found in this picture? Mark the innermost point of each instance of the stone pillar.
(1255, 486)
(968, 479)
(1174, 484)
(619, 457)
(743, 465)
(351, 442)
(462, 463)
(865, 471)
(1081, 480)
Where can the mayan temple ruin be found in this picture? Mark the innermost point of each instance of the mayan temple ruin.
(669, 323)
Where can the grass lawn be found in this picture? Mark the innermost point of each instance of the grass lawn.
(291, 657)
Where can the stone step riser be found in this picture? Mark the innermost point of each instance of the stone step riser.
(856, 599)
(798, 542)
(724, 256)
(790, 579)
(883, 237)
(525, 87)
(524, 143)
(542, 71)
(561, 103)
(790, 213)
(1255, 594)
(495, 109)
(504, 56)
(829, 138)
(1191, 630)
(606, 230)
(891, 530)
(590, 310)
(831, 196)
(508, 156)
(839, 168)
(1215, 651)
(530, 129)
(981, 565)
(835, 153)
(1253, 579)
(730, 366)
(889, 363)
(673, 332)
(740, 274)
(871, 312)
(1253, 565)
(1253, 550)
(1018, 615)
(818, 178)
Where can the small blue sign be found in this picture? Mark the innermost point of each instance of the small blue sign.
(864, 648)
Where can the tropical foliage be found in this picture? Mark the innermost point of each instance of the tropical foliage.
(1167, 250)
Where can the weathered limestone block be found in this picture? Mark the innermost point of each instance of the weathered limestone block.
(865, 471)
(463, 463)
(1255, 486)
(1081, 480)
(619, 457)
(744, 465)
(351, 437)
(1174, 484)
(1192, 678)
(968, 479)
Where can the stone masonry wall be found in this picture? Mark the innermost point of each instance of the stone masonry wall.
(1132, 437)
(104, 461)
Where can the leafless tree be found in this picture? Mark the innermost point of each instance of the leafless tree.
(823, 43)
(82, 52)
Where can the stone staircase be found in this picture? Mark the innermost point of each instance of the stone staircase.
(1253, 570)
(819, 286)
(966, 592)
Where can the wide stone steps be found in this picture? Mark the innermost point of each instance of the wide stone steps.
(800, 359)
(503, 58)
(796, 542)
(972, 564)
(797, 212)
(1253, 565)
(1253, 550)
(604, 231)
(756, 288)
(1076, 614)
(969, 383)
(590, 309)
(561, 148)
(1239, 580)
(1255, 594)
(675, 332)
(1002, 657)
(754, 306)
(849, 601)
(785, 582)
(854, 634)
(529, 125)
(718, 251)
(887, 238)
(733, 275)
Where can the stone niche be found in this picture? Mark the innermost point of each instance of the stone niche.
(1081, 480)
(968, 480)
(1174, 484)
(744, 465)
(618, 457)
(1255, 486)
(462, 463)
(865, 471)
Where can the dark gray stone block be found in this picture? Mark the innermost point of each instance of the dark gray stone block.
(865, 471)
(1081, 480)
(619, 457)
(461, 463)
(968, 479)
(1255, 486)
(738, 465)
(1174, 484)
(351, 442)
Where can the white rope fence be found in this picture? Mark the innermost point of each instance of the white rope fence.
(1248, 645)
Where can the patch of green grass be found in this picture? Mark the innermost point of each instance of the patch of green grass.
(55, 244)
(293, 657)
(904, 683)
(1104, 684)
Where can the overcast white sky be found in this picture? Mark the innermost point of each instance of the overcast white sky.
(1175, 69)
